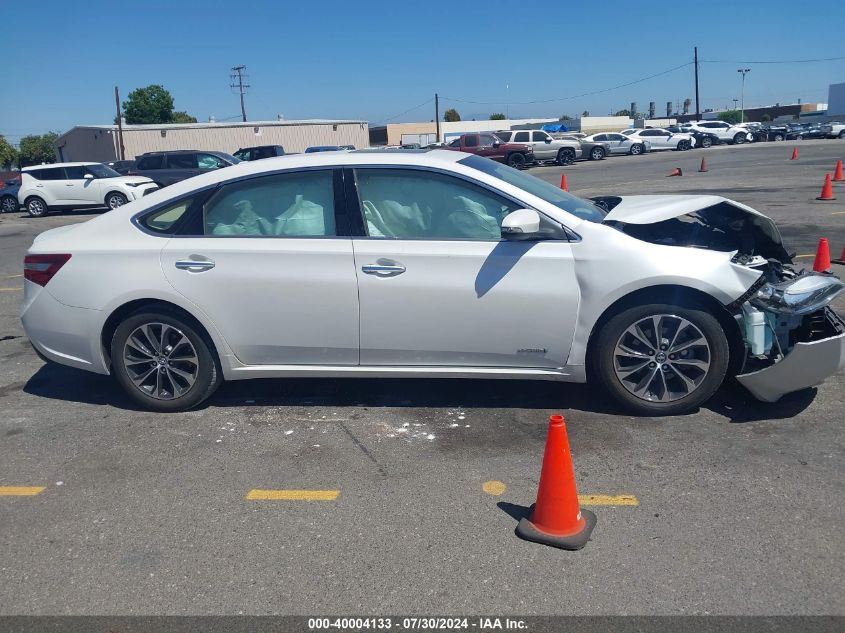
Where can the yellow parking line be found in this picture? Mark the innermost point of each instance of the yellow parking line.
(608, 500)
(838, 213)
(805, 256)
(10, 289)
(292, 495)
(20, 491)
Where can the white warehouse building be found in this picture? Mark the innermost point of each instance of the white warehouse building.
(101, 143)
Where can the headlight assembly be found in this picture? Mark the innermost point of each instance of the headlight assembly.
(804, 294)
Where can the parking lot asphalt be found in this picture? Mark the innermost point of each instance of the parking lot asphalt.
(418, 484)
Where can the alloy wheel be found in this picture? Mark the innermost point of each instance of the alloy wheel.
(9, 205)
(662, 358)
(160, 361)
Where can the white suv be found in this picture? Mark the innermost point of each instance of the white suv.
(726, 132)
(546, 147)
(75, 185)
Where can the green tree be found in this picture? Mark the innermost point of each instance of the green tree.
(730, 116)
(451, 115)
(497, 116)
(8, 154)
(35, 149)
(766, 118)
(623, 113)
(564, 117)
(182, 117)
(152, 104)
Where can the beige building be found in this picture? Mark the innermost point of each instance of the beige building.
(100, 142)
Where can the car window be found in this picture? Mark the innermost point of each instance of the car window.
(54, 173)
(615, 137)
(520, 137)
(505, 136)
(299, 204)
(540, 136)
(244, 154)
(181, 161)
(150, 162)
(411, 204)
(600, 137)
(455, 143)
(164, 220)
(488, 139)
(75, 172)
(207, 161)
(471, 140)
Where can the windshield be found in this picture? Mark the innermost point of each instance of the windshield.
(229, 158)
(583, 209)
(101, 171)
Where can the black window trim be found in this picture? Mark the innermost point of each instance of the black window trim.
(204, 194)
(354, 205)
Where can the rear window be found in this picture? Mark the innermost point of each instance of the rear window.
(182, 161)
(165, 220)
(521, 137)
(150, 162)
(54, 173)
(505, 136)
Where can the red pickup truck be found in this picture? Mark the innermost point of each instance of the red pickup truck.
(489, 145)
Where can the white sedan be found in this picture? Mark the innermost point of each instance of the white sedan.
(660, 139)
(619, 143)
(431, 264)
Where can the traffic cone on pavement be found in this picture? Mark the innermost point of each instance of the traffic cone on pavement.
(837, 173)
(841, 260)
(822, 262)
(703, 167)
(675, 172)
(563, 182)
(794, 153)
(827, 190)
(556, 518)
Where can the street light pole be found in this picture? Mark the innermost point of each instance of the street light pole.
(742, 95)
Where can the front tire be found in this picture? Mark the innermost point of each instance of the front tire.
(597, 153)
(683, 146)
(706, 142)
(8, 204)
(516, 160)
(841, 134)
(36, 207)
(565, 156)
(115, 199)
(778, 138)
(163, 362)
(661, 359)
(739, 139)
(636, 149)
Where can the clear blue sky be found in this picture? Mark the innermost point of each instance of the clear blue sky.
(374, 60)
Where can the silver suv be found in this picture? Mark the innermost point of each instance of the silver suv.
(546, 148)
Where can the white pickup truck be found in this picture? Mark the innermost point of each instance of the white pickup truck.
(546, 148)
(837, 130)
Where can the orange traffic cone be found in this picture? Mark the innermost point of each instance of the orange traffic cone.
(703, 167)
(675, 172)
(794, 153)
(556, 518)
(841, 260)
(563, 182)
(837, 173)
(822, 263)
(827, 190)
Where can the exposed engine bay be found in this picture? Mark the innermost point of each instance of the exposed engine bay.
(720, 227)
(782, 316)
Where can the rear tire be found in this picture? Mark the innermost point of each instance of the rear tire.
(36, 207)
(706, 142)
(516, 160)
(778, 138)
(800, 137)
(8, 204)
(663, 383)
(683, 146)
(163, 362)
(597, 153)
(739, 139)
(565, 156)
(841, 134)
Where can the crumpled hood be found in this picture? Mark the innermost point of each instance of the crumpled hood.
(755, 233)
(131, 180)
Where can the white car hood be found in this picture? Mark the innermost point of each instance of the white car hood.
(645, 210)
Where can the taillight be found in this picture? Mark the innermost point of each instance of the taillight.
(40, 269)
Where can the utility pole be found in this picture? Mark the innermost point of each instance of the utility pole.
(238, 77)
(437, 115)
(697, 108)
(744, 71)
(122, 152)
(735, 102)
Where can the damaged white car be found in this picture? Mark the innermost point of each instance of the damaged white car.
(429, 264)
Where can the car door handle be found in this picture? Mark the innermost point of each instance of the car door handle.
(383, 270)
(69, 185)
(195, 266)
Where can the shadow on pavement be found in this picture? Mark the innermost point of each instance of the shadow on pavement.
(513, 510)
(63, 383)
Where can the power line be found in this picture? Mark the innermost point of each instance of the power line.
(396, 116)
(585, 94)
(782, 61)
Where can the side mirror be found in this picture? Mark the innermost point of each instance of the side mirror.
(522, 224)
(88, 177)
(497, 144)
(548, 140)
